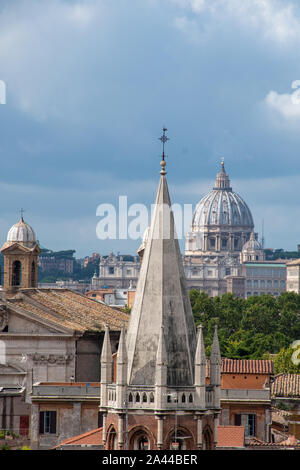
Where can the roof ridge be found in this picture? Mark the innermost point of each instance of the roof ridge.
(79, 436)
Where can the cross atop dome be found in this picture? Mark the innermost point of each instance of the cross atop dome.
(22, 213)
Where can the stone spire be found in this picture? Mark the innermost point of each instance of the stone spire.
(200, 368)
(222, 180)
(106, 366)
(215, 368)
(161, 300)
(121, 379)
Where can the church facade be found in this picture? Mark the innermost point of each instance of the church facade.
(160, 398)
(46, 335)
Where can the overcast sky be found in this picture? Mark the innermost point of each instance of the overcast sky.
(89, 85)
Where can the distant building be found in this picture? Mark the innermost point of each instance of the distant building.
(57, 261)
(76, 286)
(264, 277)
(293, 276)
(112, 297)
(117, 271)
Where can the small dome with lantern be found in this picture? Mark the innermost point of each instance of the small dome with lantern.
(252, 250)
(23, 233)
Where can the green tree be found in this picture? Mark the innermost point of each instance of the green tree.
(283, 362)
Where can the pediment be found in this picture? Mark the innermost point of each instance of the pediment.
(25, 321)
(16, 248)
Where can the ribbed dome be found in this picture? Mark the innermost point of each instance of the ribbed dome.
(252, 244)
(222, 206)
(21, 233)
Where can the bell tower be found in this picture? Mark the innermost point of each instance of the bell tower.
(21, 252)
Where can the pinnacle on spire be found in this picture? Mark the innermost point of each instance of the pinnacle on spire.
(200, 356)
(215, 356)
(200, 368)
(122, 350)
(106, 354)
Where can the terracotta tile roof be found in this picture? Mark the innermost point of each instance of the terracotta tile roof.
(93, 437)
(68, 309)
(291, 441)
(246, 366)
(231, 436)
(286, 385)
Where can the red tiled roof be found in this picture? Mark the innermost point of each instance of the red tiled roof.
(291, 441)
(246, 366)
(286, 385)
(231, 436)
(93, 437)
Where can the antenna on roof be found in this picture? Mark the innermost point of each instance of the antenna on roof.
(263, 234)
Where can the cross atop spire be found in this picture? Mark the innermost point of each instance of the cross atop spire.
(163, 139)
(22, 213)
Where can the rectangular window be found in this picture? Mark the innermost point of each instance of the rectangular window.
(100, 420)
(248, 421)
(111, 270)
(48, 422)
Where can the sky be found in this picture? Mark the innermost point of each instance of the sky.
(90, 84)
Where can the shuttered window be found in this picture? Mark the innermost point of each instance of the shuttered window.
(48, 422)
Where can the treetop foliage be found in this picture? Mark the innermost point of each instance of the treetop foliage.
(252, 328)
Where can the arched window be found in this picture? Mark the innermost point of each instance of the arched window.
(33, 274)
(137, 398)
(16, 273)
(207, 439)
(183, 398)
(140, 440)
(112, 440)
(191, 398)
(143, 443)
(144, 398)
(130, 398)
(151, 398)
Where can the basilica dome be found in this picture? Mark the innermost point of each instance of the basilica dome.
(21, 232)
(222, 207)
